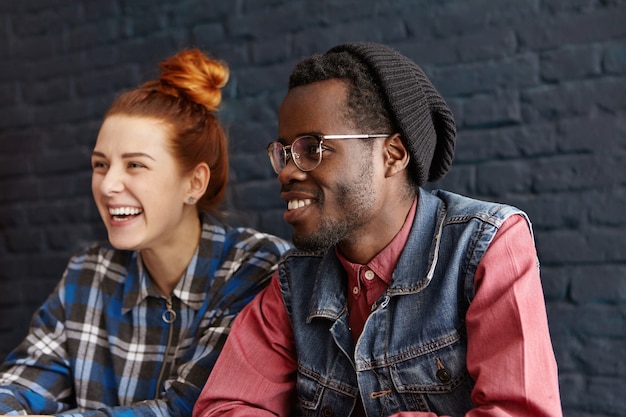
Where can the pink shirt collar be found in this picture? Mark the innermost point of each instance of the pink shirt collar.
(385, 262)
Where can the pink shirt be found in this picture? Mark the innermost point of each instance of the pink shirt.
(509, 350)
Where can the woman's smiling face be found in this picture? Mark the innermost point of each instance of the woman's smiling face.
(136, 183)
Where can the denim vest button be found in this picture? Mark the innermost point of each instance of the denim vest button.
(328, 411)
(443, 375)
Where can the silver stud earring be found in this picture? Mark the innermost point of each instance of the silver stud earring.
(190, 200)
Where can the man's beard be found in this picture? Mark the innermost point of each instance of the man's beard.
(355, 199)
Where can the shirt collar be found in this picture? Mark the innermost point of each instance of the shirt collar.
(190, 289)
(384, 263)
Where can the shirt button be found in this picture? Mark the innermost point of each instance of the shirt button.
(369, 275)
(355, 290)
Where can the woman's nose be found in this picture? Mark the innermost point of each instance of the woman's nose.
(112, 182)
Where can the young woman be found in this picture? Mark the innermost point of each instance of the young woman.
(136, 324)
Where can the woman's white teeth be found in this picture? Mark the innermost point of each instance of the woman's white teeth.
(124, 211)
(296, 204)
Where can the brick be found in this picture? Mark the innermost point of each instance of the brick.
(496, 179)
(599, 284)
(460, 178)
(212, 30)
(571, 246)
(563, 210)
(290, 17)
(451, 18)
(570, 100)
(548, 31)
(48, 91)
(614, 58)
(505, 142)
(588, 321)
(559, 6)
(74, 110)
(59, 213)
(251, 167)
(18, 190)
(150, 50)
(270, 51)
(258, 111)
(595, 134)
(98, 56)
(46, 21)
(9, 95)
(34, 48)
(62, 162)
(429, 52)
(15, 165)
(515, 72)
(250, 139)
(24, 241)
(252, 82)
(49, 265)
(495, 109)
(571, 62)
(555, 282)
(190, 12)
(575, 172)
(12, 216)
(46, 67)
(67, 238)
(16, 117)
(316, 40)
(493, 43)
(257, 195)
(609, 208)
(98, 10)
(109, 80)
(236, 54)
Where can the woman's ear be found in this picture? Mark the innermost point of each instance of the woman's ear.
(198, 182)
(397, 156)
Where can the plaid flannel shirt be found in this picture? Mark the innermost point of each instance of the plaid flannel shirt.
(107, 343)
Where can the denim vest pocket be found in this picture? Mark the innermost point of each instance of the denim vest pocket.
(436, 374)
(319, 396)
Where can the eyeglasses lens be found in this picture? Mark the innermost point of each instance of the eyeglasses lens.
(276, 152)
(306, 152)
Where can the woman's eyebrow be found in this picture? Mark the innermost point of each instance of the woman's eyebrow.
(125, 155)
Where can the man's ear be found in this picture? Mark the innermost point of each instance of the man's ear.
(397, 156)
(198, 182)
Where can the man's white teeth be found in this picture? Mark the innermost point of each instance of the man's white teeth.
(296, 204)
(124, 211)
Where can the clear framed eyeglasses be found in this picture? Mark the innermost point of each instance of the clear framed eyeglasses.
(306, 151)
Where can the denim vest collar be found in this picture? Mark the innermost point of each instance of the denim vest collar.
(328, 298)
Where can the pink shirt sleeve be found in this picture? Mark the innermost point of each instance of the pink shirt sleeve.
(509, 354)
(255, 373)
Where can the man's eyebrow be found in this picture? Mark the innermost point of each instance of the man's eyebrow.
(125, 155)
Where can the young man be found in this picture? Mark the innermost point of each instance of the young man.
(405, 302)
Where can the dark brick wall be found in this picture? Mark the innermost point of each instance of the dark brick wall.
(537, 86)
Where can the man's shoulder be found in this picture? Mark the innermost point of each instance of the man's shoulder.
(460, 207)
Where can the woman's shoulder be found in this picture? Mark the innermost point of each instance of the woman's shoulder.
(241, 238)
(99, 261)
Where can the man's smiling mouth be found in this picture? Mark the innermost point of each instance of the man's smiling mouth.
(296, 204)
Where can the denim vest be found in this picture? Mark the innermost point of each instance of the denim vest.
(412, 352)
